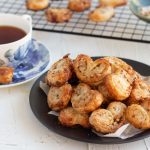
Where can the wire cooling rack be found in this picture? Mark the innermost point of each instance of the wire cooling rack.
(124, 26)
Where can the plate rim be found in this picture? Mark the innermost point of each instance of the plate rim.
(122, 141)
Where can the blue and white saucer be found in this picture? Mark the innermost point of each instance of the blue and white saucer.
(35, 63)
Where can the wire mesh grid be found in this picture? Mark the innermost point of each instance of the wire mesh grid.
(124, 26)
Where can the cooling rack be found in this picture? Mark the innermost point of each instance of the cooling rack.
(124, 26)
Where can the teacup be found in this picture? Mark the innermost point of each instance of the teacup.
(17, 49)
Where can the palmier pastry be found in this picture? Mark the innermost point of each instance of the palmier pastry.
(59, 97)
(89, 71)
(79, 5)
(102, 14)
(37, 4)
(60, 72)
(6, 74)
(84, 99)
(138, 116)
(113, 3)
(70, 117)
(58, 15)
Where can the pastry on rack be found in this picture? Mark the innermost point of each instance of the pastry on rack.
(102, 14)
(79, 5)
(37, 4)
(58, 15)
(6, 74)
(59, 97)
(113, 3)
(70, 117)
(60, 72)
(84, 99)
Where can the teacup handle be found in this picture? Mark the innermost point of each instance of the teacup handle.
(28, 18)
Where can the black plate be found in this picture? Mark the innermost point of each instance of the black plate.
(38, 103)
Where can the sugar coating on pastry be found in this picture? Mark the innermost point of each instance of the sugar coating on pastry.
(89, 71)
(102, 14)
(84, 99)
(59, 97)
(118, 85)
(6, 74)
(118, 110)
(58, 15)
(79, 5)
(70, 117)
(37, 4)
(138, 116)
(140, 91)
(60, 72)
(113, 3)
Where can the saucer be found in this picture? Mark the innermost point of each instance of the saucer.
(35, 63)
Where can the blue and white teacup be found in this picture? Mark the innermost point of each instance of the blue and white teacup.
(17, 49)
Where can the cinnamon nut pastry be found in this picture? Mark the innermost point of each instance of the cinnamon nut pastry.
(89, 71)
(113, 3)
(79, 5)
(84, 99)
(70, 117)
(102, 14)
(138, 116)
(6, 74)
(60, 72)
(58, 15)
(140, 91)
(59, 97)
(118, 85)
(37, 4)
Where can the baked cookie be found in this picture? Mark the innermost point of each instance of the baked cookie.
(79, 5)
(59, 97)
(146, 105)
(84, 99)
(138, 116)
(60, 72)
(89, 71)
(118, 85)
(102, 14)
(58, 15)
(113, 3)
(37, 4)
(140, 91)
(70, 117)
(6, 74)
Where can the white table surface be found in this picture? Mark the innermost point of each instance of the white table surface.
(20, 130)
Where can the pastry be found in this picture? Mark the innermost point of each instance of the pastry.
(6, 74)
(37, 4)
(79, 5)
(89, 71)
(60, 72)
(58, 15)
(70, 117)
(102, 14)
(59, 97)
(84, 99)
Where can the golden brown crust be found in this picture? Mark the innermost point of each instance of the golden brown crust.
(70, 117)
(113, 3)
(59, 97)
(140, 91)
(101, 14)
(118, 85)
(60, 72)
(89, 71)
(58, 15)
(85, 100)
(37, 4)
(79, 5)
(138, 116)
(6, 74)
(146, 105)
